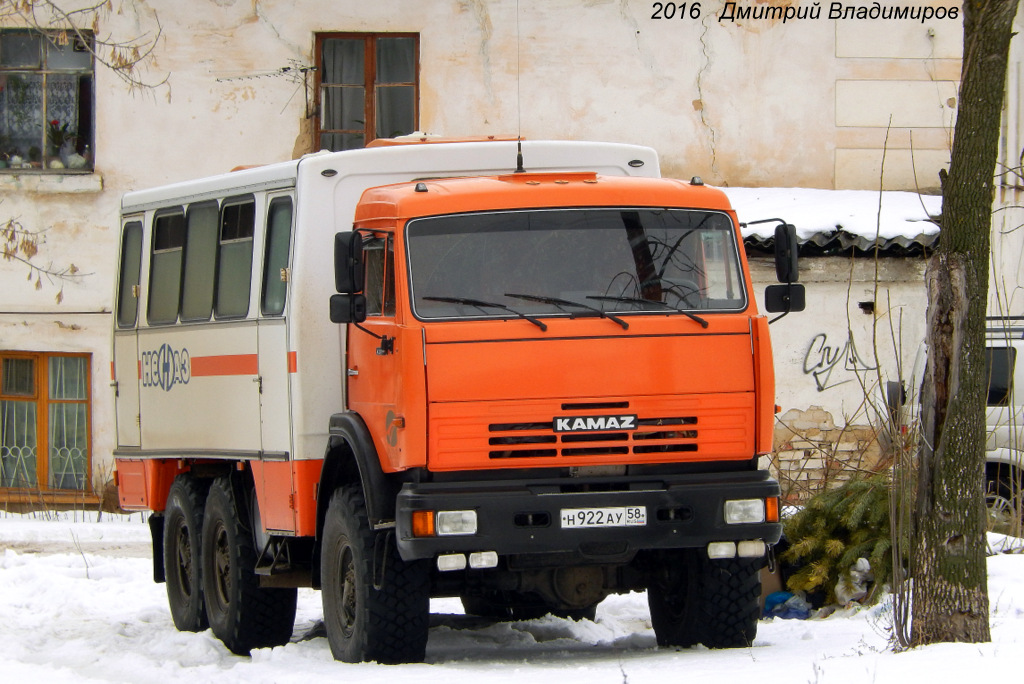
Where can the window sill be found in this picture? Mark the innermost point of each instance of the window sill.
(52, 183)
(15, 497)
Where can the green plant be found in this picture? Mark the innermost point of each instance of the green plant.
(837, 527)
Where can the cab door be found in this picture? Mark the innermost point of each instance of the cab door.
(377, 351)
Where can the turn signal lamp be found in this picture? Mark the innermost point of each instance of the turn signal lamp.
(423, 524)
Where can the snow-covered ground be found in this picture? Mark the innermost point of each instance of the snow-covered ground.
(78, 604)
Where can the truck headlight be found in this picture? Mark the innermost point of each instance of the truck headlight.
(451, 523)
(744, 511)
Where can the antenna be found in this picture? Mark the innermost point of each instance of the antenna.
(519, 105)
(519, 99)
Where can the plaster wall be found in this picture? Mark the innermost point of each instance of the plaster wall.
(742, 103)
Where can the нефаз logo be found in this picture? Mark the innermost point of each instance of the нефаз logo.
(166, 367)
(594, 423)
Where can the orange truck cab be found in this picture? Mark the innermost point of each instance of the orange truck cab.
(550, 387)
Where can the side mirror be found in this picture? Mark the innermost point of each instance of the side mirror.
(784, 298)
(348, 308)
(348, 262)
(786, 268)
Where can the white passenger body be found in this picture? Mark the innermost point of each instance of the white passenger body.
(264, 387)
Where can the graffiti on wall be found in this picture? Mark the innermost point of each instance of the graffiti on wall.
(833, 363)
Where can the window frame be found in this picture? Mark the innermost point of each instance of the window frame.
(85, 143)
(223, 289)
(43, 402)
(370, 86)
(155, 250)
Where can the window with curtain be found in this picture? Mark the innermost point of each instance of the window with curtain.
(46, 101)
(44, 422)
(368, 88)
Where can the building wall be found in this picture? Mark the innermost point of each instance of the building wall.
(743, 103)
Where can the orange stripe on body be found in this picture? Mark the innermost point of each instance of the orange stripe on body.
(293, 362)
(233, 364)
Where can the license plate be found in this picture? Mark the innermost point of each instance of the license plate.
(621, 516)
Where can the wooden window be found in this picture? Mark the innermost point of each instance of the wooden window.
(367, 88)
(44, 422)
(46, 101)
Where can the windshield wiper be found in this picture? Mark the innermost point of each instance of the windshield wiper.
(562, 303)
(637, 300)
(493, 305)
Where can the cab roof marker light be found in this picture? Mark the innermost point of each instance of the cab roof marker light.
(744, 511)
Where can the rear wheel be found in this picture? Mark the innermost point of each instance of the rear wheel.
(241, 613)
(373, 611)
(183, 524)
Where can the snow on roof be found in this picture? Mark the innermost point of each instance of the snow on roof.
(839, 218)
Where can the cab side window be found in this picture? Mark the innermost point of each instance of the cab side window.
(379, 260)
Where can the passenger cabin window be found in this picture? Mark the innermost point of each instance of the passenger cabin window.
(234, 259)
(165, 267)
(131, 264)
(275, 261)
(200, 262)
(379, 260)
(1000, 362)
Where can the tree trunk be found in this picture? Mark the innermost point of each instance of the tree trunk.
(950, 596)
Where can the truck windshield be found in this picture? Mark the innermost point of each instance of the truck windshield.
(574, 262)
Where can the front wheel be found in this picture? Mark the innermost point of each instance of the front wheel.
(241, 613)
(376, 606)
(694, 599)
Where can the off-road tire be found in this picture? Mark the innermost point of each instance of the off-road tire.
(729, 604)
(241, 614)
(183, 526)
(673, 596)
(694, 600)
(384, 619)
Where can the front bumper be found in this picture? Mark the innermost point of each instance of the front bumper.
(524, 516)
